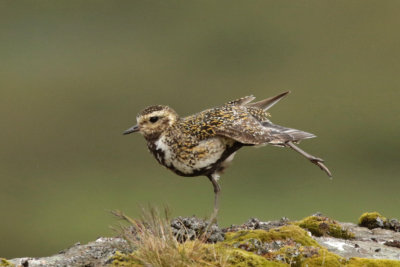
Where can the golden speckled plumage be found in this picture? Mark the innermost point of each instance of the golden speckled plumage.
(204, 143)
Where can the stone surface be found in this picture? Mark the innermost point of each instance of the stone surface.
(366, 244)
(254, 224)
(96, 253)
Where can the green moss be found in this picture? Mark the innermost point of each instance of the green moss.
(362, 262)
(4, 262)
(295, 241)
(220, 255)
(293, 232)
(322, 226)
(304, 251)
(120, 259)
(324, 258)
(242, 258)
(371, 220)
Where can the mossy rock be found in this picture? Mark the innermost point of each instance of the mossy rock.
(324, 226)
(372, 220)
(220, 255)
(296, 245)
(323, 258)
(293, 232)
(288, 245)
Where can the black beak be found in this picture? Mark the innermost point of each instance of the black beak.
(133, 129)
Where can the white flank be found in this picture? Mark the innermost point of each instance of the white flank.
(215, 148)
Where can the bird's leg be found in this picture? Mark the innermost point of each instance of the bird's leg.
(315, 160)
(217, 191)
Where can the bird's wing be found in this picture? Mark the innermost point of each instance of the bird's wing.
(247, 129)
(267, 103)
(258, 109)
(242, 101)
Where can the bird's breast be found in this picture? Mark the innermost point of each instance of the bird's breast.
(188, 160)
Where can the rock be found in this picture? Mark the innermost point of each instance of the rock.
(189, 228)
(394, 243)
(254, 224)
(96, 253)
(366, 243)
(372, 220)
(393, 224)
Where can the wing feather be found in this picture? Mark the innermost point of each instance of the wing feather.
(247, 129)
(269, 102)
(242, 101)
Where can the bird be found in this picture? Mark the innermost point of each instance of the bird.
(205, 143)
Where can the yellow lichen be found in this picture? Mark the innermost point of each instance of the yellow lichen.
(370, 220)
(322, 226)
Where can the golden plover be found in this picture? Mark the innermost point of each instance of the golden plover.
(205, 143)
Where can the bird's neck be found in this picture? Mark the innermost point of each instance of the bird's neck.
(152, 138)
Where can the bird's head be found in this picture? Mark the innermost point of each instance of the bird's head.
(154, 120)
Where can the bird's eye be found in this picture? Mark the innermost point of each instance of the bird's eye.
(153, 119)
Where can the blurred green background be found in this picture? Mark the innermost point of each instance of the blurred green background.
(74, 74)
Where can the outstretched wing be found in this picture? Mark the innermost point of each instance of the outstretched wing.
(249, 125)
(244, 128)
(248, 130)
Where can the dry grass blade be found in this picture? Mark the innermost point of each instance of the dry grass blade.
(154, 243)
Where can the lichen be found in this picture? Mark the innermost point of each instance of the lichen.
(324, 226)
(372, 220)
(4, 262)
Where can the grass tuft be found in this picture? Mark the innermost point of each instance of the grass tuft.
(154, 244)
